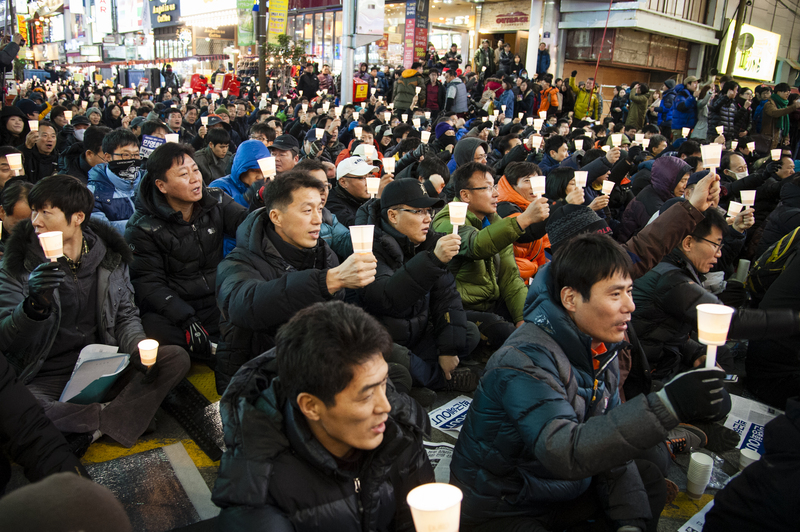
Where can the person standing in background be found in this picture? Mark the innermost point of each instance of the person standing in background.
(543, 60)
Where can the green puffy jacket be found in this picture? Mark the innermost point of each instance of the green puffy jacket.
(485, 269)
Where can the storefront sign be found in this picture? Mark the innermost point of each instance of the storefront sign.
(167, 13)
(129, 15)
(416, 34)
(505, 16)
(756, 53)
(244, 10)
(225, 33)
(278, 13)
(204, 7)
(104, 24)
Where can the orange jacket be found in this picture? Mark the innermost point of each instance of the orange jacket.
(549, 99)
(530, 257)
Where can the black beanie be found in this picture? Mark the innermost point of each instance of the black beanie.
(573, 220)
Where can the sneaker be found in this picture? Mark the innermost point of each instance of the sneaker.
(79, 443)
(720, 438)
(462, 380)
(424, 396)
(685, 437)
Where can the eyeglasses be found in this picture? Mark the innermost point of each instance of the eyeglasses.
(493, 187)
(717, 246)
(136, 155)
(262, 138)
(423, 212)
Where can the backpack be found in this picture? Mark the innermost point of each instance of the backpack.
(771, 264)
(758, 116)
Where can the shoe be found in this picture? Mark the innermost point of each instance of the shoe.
(672, 491)
(79, 443)
(467, 362)
(685, 437)
(424, 396)
(462, 380)
(720, 438)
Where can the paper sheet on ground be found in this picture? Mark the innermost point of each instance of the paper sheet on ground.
(97, 363)
(450, 417)
(695, 524)
(440, 455)
(748, 417)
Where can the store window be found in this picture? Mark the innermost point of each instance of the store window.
(327, 52)
(318, 41)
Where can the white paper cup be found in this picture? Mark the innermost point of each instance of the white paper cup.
(427, 115)
(52, 244)
(204, 120)
(426, 136)
(319, 132)
(404, 117)
(68, 115)
(734, 208)
(389, 165)
(357, 132)
(776, 153)
(748, 197)
(435, 507)
(536, 142)
(387, 116)
(580, 178)
(538, 123)
(538, 184)
(521, 116)
(148, 350)
(172, 137)
(369, 152)
(355, 115)
(34, 125)
(496, 113)
(616, 139)
(606, 148)
(747, 457)
(530, 120)
(418, 89)
(751, 146)
(373, 184)
(713, 322)
(503, 108)
(14, 161)
(639, 137)
(685, 131)
(458, 212)
(126, 109)
(274, 108)
(720, 130)
(417, 122)
(267, 165)
(711, 155)
(608, 186)
(697, 477)
(361, 236)
(224, 94)
(645, 143)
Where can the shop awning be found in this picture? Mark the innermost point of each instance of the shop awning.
(229, 17)
(792, 63)
(107, 64)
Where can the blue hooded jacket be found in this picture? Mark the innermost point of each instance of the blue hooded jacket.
(247, 156)
(113, 196)
(684, 112)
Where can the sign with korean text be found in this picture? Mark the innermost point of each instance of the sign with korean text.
(756, 53)
(278, 13)
(149, 145)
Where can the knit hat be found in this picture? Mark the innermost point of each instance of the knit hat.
(670, 83)
(442, 128)
(90, 111)
(696, 177)
(573, 220)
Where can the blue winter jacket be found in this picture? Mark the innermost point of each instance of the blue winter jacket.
(507, 99)
(247, 156)
(540, 426)
(542, 62)
(113, 196)
(684, 108)
(548, 163)
(667, 106)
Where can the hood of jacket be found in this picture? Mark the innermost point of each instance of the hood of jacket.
(101, 175)
(9, 111)
(667, 172)
(465, 150)
(247, 155)
(410, 73)
(509, 193)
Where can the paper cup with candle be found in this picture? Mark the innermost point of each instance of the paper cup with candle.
(319, 132)
(357, 132)
(536, 142)
(148, 351)
(426, 136)
(720, 130)
(267, 165)
(126, 109)
(387, 116)
(748, 197)
(734, 208)
(645, 143)
(34, 125)
(274, 108)
(172, 137)
(404, 117)
(685, 132)
(616, 139)
(427, 115)
(639, 138)
(606, 148)
(503, 107)
(538, 184)
(580, 178)
(435, 507)
(362, 238)
(538, 123)
(417, 122)
(751, 146)
(713, 322)
(14, 161)
(776, 153)
(355, 115)
(389, 165)
(68, 115)
(418, 89)
(204, 120)
(608, 186)
(543, 115)
(52, 244)
(373, 184)
(529, 120)
(495, 113)
(458, 214)
(711, 155)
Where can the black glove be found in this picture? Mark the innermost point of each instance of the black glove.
(197, 337)
(633, 153)
(574, 73)
(734, 295)
(254, 195)
(699, 394)
(43, 281)
(150, 373)
(773, 167)
(68, 130)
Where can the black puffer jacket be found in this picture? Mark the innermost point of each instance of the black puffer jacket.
(36, 164)
(344, 205)
(783, 220)
(276, 477)
(255, 276)
(666, 300)
(412, 287)
(174, 267)
(72, 161)
(722, 112)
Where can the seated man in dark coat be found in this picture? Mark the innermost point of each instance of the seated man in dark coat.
(317, 438)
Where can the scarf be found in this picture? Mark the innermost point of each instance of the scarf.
(783, 121)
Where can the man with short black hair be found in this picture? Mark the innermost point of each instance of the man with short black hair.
(176, 235)
(556, 149)
(280, 265)
(174, 118)
(264, 133)
(79, 159)
(333, 232)
(215, 158)
(114, 183)
(39, 156)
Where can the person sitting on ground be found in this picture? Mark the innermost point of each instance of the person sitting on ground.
(215, 158)
(550, 396)
(350, 191)
(279, 266)
(114, 184)
(341, 447)
(39, 155)
(176, 235)
(79, 159)
(49, 311)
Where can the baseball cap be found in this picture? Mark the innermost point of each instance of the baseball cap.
(353, 166)
(408, 191)
(286, 143)
(690, 79)
(136, 122)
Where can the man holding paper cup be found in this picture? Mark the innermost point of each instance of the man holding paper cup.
(350, 191)
(564, 444)
(50, 311)
(341, 446)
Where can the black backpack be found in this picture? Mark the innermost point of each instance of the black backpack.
(771, 264)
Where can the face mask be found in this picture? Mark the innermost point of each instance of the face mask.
(79, 134)
(126, 169)
(737, 175)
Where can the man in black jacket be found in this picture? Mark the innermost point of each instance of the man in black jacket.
(280, 266)
(317, 438)
(83, 156)
(176, 236)
(350, 191)
(40, 158)
(414, 295)
(666, 300)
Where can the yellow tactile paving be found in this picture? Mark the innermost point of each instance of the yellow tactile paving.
(202, 378)
(105, 451)
(684, 508)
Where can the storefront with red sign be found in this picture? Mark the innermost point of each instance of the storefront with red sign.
(509, 21)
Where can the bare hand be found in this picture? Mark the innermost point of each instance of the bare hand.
(706, 193)
(31, 139)
(537, 211)
(448, 364)
(356, 272)
(576, 196)
(720, 140)
(744, 220)
(447, 247)
(438, 182)
(613, 155)
(385, 180)
(202, 131)
(599, 203)
(17, 38)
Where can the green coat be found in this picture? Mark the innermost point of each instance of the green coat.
(485, 269)
(637, 111)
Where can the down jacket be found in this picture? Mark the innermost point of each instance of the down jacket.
(113, 196)
(412, 287)
(684, 112)
(666, 300)
(783, 220)
(485, 269)
(255, 276)
(536, 432)
(27, 342)
(275, 476)
(405, 88)
(529, 248)
(174, 266)
(722, 112)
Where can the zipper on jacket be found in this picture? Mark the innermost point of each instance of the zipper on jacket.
(357, 485)
(200, 245)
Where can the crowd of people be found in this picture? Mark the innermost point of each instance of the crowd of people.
(587, 245)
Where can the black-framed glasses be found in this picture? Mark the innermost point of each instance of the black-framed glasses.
(125, 156)
(493, 187)
(716, 245)
(423, 212)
